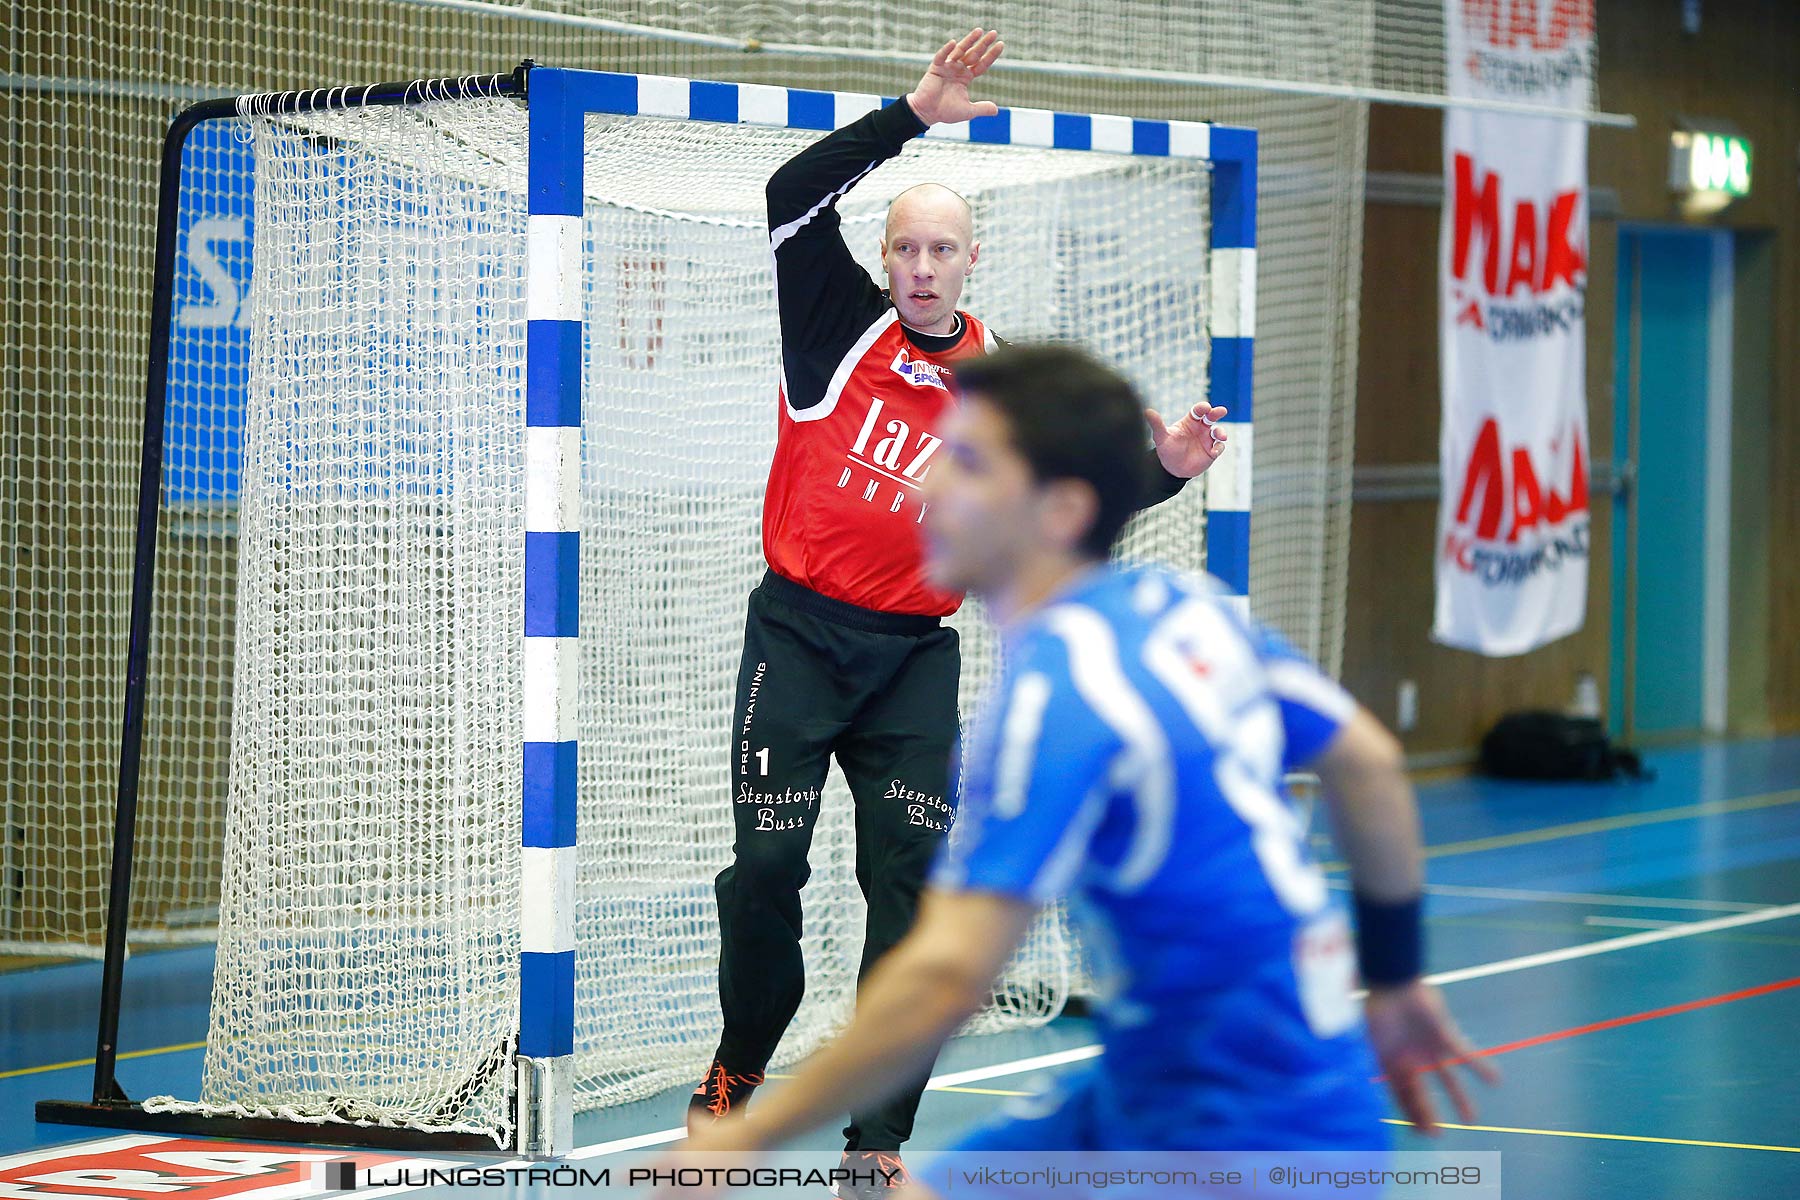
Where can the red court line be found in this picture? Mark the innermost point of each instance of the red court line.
(1616, 1022)
(1634, 1018)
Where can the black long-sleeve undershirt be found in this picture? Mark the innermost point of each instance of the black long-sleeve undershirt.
(824, 297)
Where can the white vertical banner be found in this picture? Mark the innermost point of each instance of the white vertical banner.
(1512, 545)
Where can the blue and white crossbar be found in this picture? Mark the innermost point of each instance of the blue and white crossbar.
(559, 100)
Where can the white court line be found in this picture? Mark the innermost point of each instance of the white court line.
(953, 1079)
(1627, 922)
(1452, 889)
(620, 1145)
(1601, 898)
(1689, 929)
(1503, 967)
(1017, 1067)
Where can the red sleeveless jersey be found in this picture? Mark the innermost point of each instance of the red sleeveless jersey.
(843, 509)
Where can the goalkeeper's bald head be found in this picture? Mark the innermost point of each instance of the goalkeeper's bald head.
(928, 251)
(934, 201)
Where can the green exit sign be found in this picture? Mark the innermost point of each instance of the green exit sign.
(1718, 163)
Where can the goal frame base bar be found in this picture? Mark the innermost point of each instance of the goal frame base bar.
(125, 1114)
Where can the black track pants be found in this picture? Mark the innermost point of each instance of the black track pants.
(818, 678)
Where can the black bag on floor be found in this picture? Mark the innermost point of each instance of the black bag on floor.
(1550, 745)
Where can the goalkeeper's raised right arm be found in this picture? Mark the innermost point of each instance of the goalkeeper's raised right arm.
(826, 301)
(824, 297)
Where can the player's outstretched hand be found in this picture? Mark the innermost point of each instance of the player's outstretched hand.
(1414, 1038)
(1191, 444)
(943, 91)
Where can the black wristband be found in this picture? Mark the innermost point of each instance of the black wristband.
(1390, 940)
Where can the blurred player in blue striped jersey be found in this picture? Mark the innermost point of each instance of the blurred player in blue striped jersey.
(1130, 761)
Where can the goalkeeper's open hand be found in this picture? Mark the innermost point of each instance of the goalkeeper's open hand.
(1191, 444)
(943, 91)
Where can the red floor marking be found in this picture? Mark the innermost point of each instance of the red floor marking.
(1615, 1022)
(1634, 1018)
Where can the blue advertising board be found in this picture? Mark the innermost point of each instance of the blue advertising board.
(209, 336)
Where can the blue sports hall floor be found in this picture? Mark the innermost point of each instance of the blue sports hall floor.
(1627, 953)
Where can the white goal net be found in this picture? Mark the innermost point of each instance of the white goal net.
(368, 934)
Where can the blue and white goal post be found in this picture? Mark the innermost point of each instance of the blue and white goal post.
(559, 101)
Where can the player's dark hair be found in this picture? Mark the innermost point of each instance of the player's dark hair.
(1071, 417)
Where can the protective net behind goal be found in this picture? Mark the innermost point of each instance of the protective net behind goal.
(368, 933)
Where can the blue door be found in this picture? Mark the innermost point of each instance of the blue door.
(1666, 282)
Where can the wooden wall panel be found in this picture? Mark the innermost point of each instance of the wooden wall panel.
(1743, 66)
